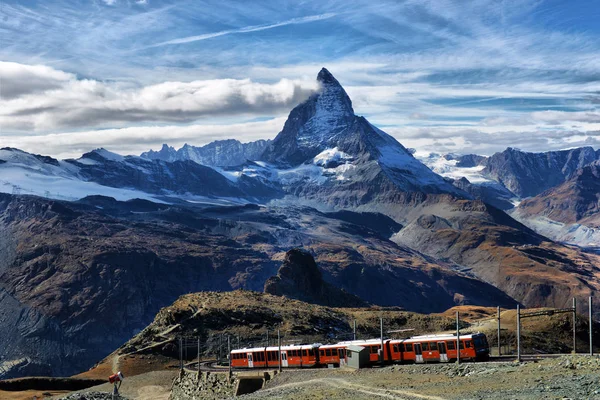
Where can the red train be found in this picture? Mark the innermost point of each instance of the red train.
(417, 349)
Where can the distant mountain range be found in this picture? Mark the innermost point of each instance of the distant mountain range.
(93, 247)
(555, 191)
(221, 153)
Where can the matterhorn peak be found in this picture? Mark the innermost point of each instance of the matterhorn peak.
(325, 77)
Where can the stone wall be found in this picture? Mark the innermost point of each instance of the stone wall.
(206, 385)
(216, 386)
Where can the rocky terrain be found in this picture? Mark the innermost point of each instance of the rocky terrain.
(78, 279)
(569, 377)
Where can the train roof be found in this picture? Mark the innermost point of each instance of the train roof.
(362, 342)
(333, 345)
(438, 337)
(275, 348)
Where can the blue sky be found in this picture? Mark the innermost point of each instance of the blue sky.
(445, 76)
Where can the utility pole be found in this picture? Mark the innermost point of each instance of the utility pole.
(354, 330)
(499, 351)
(279, 345)
(267, 338)
(457, 339)
(381, 334)
(198, 353)
(591, 328)
(239, 347)
(574, 325)
(518, 333)
(229, 354)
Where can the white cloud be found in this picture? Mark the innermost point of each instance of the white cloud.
(49, 99)
(110, 2)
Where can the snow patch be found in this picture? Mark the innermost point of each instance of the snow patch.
(329, 156)
(448, 169)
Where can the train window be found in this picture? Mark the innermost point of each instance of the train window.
(305, 353)
(433, 346)
(451, 345)
(425, 346)
(462, 345)
(396, 348)
(468, 344)
(408, 347)
(269, 356)
(328, 352)
(374, 349)
(478, 342)
(322, 352)
(311, 352)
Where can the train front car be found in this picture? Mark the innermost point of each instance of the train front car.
(442, 348)
(481, 346)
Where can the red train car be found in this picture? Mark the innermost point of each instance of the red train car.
(417, 349)
(332, 354)
(442, 348)
(268, 357)
(374, 346)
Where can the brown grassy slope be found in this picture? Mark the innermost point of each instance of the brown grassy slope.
(249, 314)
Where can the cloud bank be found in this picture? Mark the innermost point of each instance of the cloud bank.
(40, 98)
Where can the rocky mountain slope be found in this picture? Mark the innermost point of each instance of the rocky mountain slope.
(568, 212)
(78, 278)
(529, 174)
(351, 161)
(220, 153)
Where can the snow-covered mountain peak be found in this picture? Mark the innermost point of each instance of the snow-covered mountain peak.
(102, 154)
(313, 126)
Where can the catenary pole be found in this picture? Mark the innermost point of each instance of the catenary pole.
(457, 339)
(279, 345)
(354, 330)
(518, 333)
(381, 334)
(180, 353)
(499, 348)
(591, 323)
(229, 354)
(574, 325)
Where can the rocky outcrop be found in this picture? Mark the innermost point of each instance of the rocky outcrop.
(300, 278)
